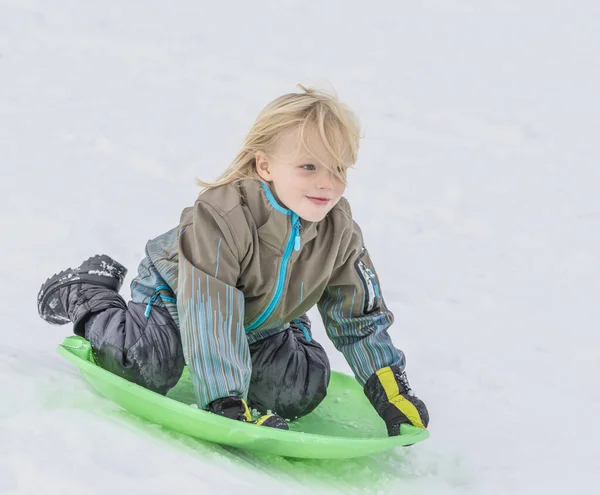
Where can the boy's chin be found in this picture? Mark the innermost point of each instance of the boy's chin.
(312, 216)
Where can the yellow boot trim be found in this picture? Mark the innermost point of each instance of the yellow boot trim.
(406, 407)
(262, 419)
(247, 414)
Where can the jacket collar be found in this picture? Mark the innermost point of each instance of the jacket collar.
(274, 221)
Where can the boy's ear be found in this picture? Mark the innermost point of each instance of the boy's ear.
(262, 166)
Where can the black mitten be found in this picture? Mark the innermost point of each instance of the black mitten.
(391, 396)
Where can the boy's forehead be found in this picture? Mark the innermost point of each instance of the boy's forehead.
(308, 146)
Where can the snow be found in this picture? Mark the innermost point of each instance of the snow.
(476, 189)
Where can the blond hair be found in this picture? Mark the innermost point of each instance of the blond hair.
(337, 125)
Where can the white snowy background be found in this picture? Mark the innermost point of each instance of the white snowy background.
(477, 189)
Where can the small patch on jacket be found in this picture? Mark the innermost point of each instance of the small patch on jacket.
(369, 284)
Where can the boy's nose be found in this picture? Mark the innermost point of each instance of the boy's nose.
(325, 181)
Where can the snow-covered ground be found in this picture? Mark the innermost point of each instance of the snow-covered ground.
(477, 189)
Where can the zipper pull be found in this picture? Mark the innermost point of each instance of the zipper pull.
(297, 239)
(304, 330)
(149, 307)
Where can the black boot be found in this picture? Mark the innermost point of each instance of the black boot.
(73, 294)
(236, 408)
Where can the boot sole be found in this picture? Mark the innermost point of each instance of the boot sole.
(110, 274)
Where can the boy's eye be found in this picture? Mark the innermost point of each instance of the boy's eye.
(308, 167)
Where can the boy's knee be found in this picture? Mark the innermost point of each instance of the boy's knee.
(158, 357)
(289, 375)
(145, 351)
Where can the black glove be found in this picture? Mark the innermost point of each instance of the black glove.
(236, 408)
(391, 396)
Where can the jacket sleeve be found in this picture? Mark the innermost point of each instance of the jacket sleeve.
(211, 308)
(354, 312)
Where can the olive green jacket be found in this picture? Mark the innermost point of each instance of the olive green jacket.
(240, 267)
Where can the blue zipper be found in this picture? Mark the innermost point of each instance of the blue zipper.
(293, 243)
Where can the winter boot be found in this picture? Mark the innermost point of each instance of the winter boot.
(236, 408)
(74, 294)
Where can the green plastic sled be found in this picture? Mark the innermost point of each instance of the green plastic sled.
(344, 425)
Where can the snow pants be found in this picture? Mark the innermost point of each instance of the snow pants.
(290, 374)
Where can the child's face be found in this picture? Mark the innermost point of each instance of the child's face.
(300, 180)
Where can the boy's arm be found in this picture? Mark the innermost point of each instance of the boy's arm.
(357, 320)
(211, 308)
(355, 315)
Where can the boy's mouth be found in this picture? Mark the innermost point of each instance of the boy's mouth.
(318, 201)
